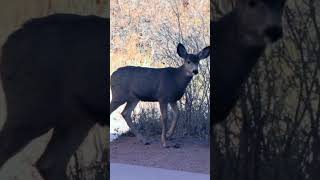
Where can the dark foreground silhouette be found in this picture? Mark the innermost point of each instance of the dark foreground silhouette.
(53, 71)
(239, 39)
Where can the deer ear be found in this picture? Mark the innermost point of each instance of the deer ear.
(182, 52)
(283, 2)
(204, 53)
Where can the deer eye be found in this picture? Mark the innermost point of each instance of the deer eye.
(188, 62)
(252, 3)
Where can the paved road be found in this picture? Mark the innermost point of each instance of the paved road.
(132, 172)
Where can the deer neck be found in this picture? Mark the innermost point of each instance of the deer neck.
(182, 77)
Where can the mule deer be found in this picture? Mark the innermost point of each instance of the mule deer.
(164, 85)
(53, 71)
(239, 39)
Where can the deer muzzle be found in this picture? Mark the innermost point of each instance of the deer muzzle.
(274, 33)
(195, 72)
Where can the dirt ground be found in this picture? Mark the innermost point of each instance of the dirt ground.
(191, 156)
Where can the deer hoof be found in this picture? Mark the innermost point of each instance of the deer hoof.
(144, 141)
(164, 145)
(177, 146)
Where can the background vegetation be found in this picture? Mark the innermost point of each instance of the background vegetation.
(273, 133)
(146, 33)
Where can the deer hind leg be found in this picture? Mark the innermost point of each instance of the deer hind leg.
(126, 114)
(174, 120)
(119, 97)
(15, 136)
(164, 117)
(65, 141)
(115, 104)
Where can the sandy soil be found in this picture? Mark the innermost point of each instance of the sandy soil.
(191, 156)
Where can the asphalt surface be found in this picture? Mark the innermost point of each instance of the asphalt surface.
(133, 172)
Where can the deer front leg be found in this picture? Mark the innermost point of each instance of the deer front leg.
(163, 110)
(174, 120)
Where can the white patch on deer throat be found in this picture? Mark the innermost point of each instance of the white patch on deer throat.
(189, 74)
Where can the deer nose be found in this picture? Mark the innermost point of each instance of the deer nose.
(195, 72)
(274, 33)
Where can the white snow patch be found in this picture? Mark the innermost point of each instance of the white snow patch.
(118, 125)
